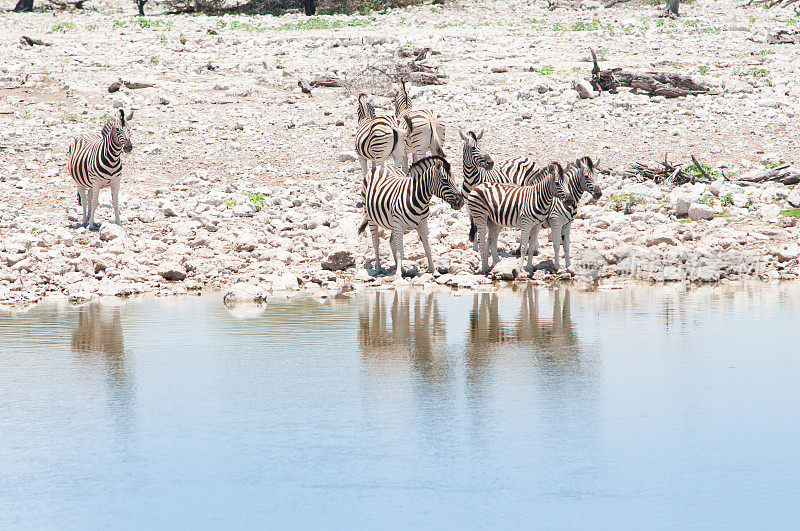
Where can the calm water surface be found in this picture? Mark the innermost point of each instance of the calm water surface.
(647, 407)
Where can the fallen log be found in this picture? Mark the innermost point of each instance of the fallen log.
(326, 81)
(603, 79)
(30, 41)
(132, 85)
(783, 174)
(667, 84)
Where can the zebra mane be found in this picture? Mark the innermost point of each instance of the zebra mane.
(108, 126)
(365, 108)
(585, 161)
(430, 159)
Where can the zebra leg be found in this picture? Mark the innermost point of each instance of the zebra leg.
(483, 237)
(494, 233)
(422, 230)
(556, 233)
(535, 240)
(83, 195)
(364, 169)
(565, 243)
(94, 200)
(115, 202)
(397, 250)
(373, 229)
(524, 243)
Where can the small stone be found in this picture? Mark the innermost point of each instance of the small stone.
(697, 212)
(244, 210)
(111, 231)
(339, 123)
(506, 269)
(347, 156)
(793, 198)
(172, 271)
(338, 261)
(584, 89)
(244, 292)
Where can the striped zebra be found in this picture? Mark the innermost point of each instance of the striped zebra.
(426, 132)
(496, 205)
(579, 177)
(379, 137)
(94, 162)
(400, 203)
(479, 168)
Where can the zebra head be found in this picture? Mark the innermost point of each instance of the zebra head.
(118, 130)
(588, 180)
(437, 169)
(473, 152)
(556, 172)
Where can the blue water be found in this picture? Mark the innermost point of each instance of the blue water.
(648, 407)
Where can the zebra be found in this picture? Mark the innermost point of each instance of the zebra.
(479, 168)
(400, 203)
(426, 132)
(495, 205)
(579, 177)
(94, 162)
(378, 138)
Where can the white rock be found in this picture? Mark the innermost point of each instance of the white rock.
(111, 231)
(584, 89)
(698, 211)
(245, 292)
(244, 210)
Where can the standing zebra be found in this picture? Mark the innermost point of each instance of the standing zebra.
(479, 168)
(378, 138)
(426, 132)
(579, 177)
(400, 203)
(94, 162)
(496, 205)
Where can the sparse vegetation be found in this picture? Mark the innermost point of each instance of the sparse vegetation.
(709, 200)
(63, 27)
(727, 199)
(791, 213)
(257, 200)
(545, 70)
(624, 202)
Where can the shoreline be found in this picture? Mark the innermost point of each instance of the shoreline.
(238, 177)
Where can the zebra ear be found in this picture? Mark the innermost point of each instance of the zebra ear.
(122, 116)
(463, 135)
(479, 135)
(130, 115)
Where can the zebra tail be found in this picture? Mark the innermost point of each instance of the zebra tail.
(363, 226)
(79, 199)
(472, 230)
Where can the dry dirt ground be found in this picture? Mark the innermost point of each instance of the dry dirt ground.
(226, 118)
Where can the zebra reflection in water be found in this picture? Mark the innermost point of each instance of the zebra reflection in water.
(556, 336)
(399, 327)
(98, 343)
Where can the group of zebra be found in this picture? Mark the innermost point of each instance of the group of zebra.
(516, 193)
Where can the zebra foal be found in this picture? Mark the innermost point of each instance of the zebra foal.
(425, 131)
(495, 205)
(400, 203)
(95, 162)
(379, 137)
(579, 177)
(480, 168)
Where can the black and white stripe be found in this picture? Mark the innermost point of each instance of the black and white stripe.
(425, 133)
(379, 137)
(579, 177)
(95, 162)
(495, 205)
(400, 203)
(480, 168)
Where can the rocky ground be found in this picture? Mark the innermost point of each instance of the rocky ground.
(238, 178)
